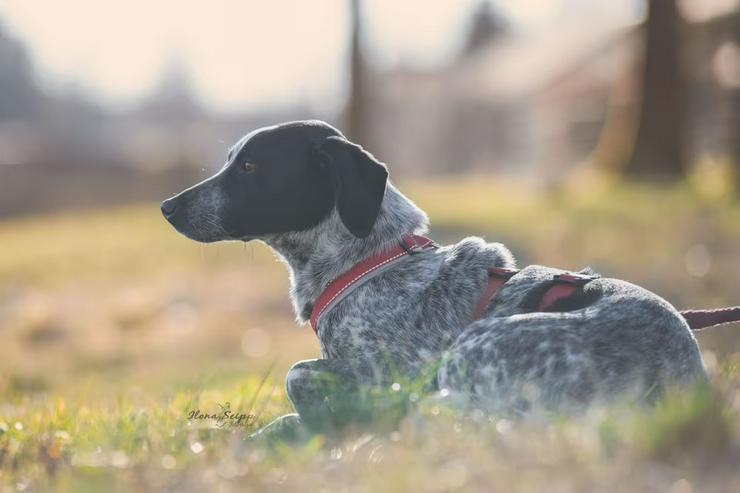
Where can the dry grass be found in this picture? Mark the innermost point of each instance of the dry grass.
(114, 328)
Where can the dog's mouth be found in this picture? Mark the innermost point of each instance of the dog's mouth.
(198, 231)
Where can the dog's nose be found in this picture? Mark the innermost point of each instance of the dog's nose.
(168, 207)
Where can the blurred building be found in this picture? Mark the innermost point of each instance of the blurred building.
(62, 150)
(537, 105)
(532, 105)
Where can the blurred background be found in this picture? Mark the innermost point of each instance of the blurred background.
(578, 132)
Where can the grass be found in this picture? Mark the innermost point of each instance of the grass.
(114, 329)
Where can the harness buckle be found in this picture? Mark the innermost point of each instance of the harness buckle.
(574, 278)
(411, 246)
(502, 272)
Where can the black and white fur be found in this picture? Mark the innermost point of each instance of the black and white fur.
(614, 340)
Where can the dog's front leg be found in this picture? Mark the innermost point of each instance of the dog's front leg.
(331, 394)
(326, 393)
(288, 428)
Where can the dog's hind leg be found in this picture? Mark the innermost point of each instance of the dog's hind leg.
(565, 361)
(519, 364)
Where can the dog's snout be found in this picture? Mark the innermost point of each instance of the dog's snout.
(168, 207)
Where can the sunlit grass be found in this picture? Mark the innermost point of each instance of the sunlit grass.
(73, 445)
(113, 328)
(83, 438)
(120, 242)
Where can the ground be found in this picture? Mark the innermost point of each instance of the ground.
(119, 337)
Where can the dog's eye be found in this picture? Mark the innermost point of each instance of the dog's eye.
(249, 167)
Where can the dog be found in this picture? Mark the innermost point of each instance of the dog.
(325, 205)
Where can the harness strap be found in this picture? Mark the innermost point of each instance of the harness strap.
(497, 277)
(564, 286)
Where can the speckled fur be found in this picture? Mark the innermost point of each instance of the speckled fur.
(614, 340)
(625, 343)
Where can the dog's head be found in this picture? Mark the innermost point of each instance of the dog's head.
(281, 179)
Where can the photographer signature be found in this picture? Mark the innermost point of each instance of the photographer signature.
(225, 417)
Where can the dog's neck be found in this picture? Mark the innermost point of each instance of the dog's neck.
(319, 255)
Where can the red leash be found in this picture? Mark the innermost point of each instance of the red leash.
(564, 285)
(701, 319)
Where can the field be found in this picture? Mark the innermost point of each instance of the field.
(113, 329)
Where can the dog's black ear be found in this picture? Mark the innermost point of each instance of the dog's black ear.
(359, 182)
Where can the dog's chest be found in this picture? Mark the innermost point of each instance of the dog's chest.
(382, 319)
(409, 315)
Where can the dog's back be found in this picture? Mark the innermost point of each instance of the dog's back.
(612, 340)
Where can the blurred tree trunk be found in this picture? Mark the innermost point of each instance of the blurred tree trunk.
(733, 128)
(356, 119)
(735, 137)
(734, 132)
(486, 25)
(659, 148)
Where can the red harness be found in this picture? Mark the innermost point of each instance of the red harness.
(564, 285)
(341, 286)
